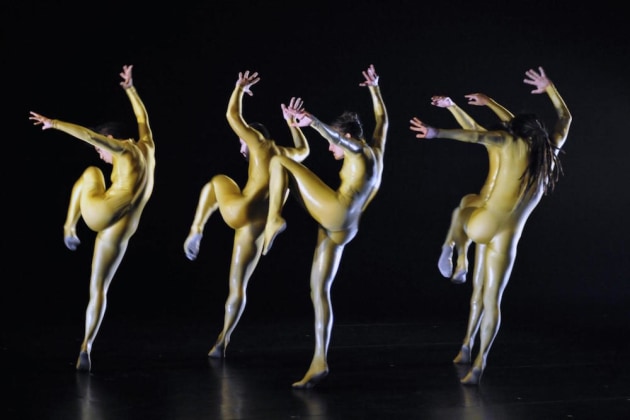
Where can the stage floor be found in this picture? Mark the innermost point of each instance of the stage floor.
(378, 370)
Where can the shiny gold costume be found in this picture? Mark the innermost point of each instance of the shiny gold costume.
(497, 217)
(244, 211)
(456, 236)
(113, 213)
(337, 212)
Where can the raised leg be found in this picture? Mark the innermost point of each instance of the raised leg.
(278, 184)
(206, 205)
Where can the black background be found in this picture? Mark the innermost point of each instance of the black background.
(63, 61)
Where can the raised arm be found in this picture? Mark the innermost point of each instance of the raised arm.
(480, 99)
(461, 116)
(379, 137)
(477, 99)
(543, 84)
(301, 149)
(142, 117)
(234, 113)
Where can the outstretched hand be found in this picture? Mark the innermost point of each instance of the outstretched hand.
(538, 79)
(127, 81)
(371, 78)
(38, 119)
(296, 107)
(246, 81)
(441, 101)
(303, 119)
(478, 99)
(423, 131)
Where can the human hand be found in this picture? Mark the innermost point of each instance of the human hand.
(424, 131)
(371, 78)
(303, 119)
(538, 79)
(127, 81)
(478, 99)
(38, 119)
(441, 101)
(246, 81)
(296, 107)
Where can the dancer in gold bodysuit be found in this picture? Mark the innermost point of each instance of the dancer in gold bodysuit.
(113, 213)
(337, 212)
(524, 166)
(456, 237)
(245, 210)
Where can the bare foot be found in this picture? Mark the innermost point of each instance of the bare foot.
(70, 238)
(72, 242)
(191, 246)
(445, 263)
(310, 380)
(217, 352)
(463, 357)
(473, 377)
(459, 277)
(273, 229)
(83, 363)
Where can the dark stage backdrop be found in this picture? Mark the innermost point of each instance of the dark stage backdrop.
(64, 62)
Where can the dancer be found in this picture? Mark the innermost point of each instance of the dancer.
(337, 212)
(244, 210)
(456, 237)
(113, 213)
(527, 167)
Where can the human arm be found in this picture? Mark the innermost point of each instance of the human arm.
(142, 117)
(80, 132)
(461, 116)
(305, 119)
(234, 113)
(380, 111)
(480, 99)
(301, 149)
(543, 84)
(424, 131)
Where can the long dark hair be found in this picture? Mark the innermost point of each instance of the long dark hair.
(544, 168)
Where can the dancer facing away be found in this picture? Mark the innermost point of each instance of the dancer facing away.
(337, 212)
(245, 210)
(456, 237)
(526, 168)
(113, 213)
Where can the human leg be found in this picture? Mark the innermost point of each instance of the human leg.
(247, 249)
(109, 249)
(70, 237)
(210, 198)
(499, 259)
(86, 192)
(278, 184)
(324, 269)
(319, 200)
(475, 310)
(456, 238)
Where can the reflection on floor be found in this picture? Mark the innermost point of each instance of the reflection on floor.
(397, 370)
